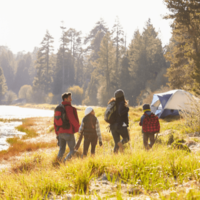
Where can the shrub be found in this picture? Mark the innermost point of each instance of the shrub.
(180, 146)
(170, 139)
(77, 94)
(25, 92)
(10, 97)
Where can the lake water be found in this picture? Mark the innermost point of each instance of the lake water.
(8, 130)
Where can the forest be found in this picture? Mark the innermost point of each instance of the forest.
(92, 67)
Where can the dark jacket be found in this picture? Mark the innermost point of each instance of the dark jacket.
(90, 128)
(73, 120)
(122, 114)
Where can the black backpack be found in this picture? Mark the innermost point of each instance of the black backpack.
(110, 115)
(60, 117)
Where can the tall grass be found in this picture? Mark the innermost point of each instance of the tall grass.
(154, 171)
(26, 127)
(150, 171)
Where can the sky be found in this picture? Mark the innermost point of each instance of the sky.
(23, 23)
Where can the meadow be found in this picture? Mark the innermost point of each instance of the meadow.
(157, 174)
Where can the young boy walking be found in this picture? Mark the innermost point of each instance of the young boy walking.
(150, 125)
(90, 129)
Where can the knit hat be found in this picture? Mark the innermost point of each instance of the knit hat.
(88, 110)
(146, 107)
(119, 93)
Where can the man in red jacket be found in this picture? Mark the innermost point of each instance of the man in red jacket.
(66, 136)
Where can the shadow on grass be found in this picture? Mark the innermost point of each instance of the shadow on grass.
(172, 118)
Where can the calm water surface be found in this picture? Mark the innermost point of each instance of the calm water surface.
(8, 130)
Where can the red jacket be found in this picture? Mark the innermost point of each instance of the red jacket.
(73, 119)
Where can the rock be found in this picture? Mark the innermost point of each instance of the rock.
(196, 134)
(167, 132)
(191, 143)
(134, 191)
(103, 177)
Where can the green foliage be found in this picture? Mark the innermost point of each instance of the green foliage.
(147, 62)
(170, 139)
(43, 80)
(77, 94)
(180, 146)
(105, 70)
(183, 52)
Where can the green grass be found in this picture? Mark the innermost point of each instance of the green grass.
(154, 171)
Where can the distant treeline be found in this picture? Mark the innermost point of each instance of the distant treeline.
(93, 67)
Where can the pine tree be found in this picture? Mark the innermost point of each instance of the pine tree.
(118, 41)
(186, 32)
(22, 76)
(8, 64)
(146, 61)
(44, 77)
(94, 38)
(3, 86)
(105, 70)
(63, 48)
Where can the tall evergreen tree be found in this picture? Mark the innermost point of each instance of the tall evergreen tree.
(63, 48)
(44, 77)
(186, 32)
(8, 64)
(146, 61)
(118, 41)
(3, 86)
(22, 76)
(105, 70)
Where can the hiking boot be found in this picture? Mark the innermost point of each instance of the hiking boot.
(120, 147)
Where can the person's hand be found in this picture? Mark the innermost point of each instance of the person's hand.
(100, 143)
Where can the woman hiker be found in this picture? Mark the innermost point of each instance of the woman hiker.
(120, 126)
(90, 129)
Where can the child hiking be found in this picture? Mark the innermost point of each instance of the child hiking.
(150, 125)
(90, 129)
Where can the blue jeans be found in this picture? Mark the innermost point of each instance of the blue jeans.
(66, 138)
(116, 133)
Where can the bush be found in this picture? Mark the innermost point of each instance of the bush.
(77, 94)
(180, 146)
(25, 92)
(10, 97)
(49, 98)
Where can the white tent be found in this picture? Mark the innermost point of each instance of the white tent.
(171, 102)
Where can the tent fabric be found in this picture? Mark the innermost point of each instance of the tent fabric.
(170, 103)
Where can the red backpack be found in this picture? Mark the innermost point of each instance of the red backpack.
(60, 117)
(151, 124)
